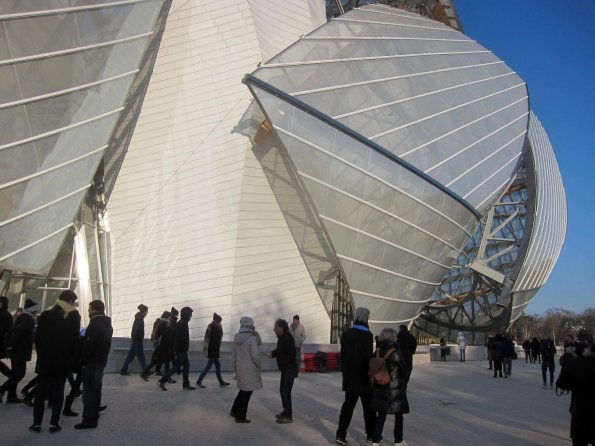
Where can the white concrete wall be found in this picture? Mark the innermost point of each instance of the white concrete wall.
(193, 219)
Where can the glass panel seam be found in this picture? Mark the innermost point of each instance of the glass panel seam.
(51, 169)
(45, 12)
(359, 59)
(73, 50)
(483, 160)
(423, 95)
(483, 138)
(394, 299)
(401, 25)
(389, 10)
(448, 110)
(61, 129)
(392, 78)
(68, 90)
(387, 271)
(384, 211)
(381, 240)
(35, 243)
(46, 205)
(370, 175)
(355, 38)
(514, 158)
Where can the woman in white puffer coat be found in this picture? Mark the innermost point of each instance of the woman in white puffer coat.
(246, 367)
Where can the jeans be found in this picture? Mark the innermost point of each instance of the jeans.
(240, 405)
(379, 426)
(544, 366)
(52, 385)
(347, 413)
(74, 389)
(507, 364)
(462, 354)
(19, 369)
(210, 363)
(181, 361)
(285, 387)
(136, 349)
(92, 384)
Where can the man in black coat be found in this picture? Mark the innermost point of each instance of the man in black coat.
(211, 349)
(56, 341)
(19, 350)
(137, 337)
(5, 333)
(357, 348)
(181, 345)
(94, 352)
(408, 345)
(285, 354)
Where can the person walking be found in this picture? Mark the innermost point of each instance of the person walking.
(357, 348)
(137, 337)
(162, 344)
(246, 367)
(95, 350)
(181, 345)
(462, 342)
(19, 350)
(548, 353)
(443, 349)
(298, 331)
(285, 354)
(408, 346)
(507, 355)
(6, 322)
(489, 342)
(56, 340)
(390, 398)
(497, 354)
(211, 349)
(535, 350)
(527, 350)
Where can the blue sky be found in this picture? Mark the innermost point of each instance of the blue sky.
(550, 44)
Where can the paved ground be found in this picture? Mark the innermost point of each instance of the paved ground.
(452, 403)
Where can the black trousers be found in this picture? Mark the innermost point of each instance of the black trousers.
(19, 368)
(347, 413)
(92, 384)
(181, 361)
(240, 405)
(379, 427)
(285, 387)
(52, 386)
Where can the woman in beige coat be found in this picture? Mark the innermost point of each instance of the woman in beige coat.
(246, 367)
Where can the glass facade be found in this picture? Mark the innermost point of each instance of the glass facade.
(66, 68)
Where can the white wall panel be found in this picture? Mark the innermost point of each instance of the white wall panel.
(193, 219)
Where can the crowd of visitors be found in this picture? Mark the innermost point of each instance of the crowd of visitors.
(64, 352)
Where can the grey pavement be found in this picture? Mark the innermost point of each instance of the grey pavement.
(452, 403)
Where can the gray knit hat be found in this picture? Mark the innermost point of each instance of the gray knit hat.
(246, 321)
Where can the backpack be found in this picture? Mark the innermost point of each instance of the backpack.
(154, 337)
(377, 371)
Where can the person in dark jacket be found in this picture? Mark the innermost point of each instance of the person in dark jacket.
(357, 348)
(507, 355)
(94, 352)
(211, 349)
(548, 353)
(392, 397)
(19, 351)
(579, 373)
(527, 350)
(181, 345)
(285, 354)
(6, 323)
(498, 354)
(535, 350)
(137, 337)
(408, 346)
(163, 344)
(56, 340)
